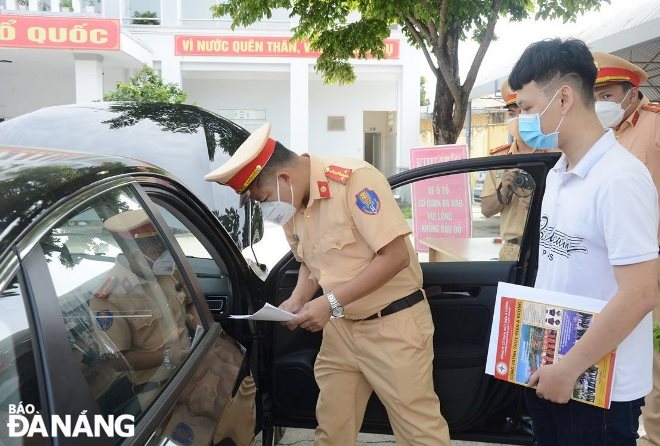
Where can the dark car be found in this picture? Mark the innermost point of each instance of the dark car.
(55, 254)
(186, 140)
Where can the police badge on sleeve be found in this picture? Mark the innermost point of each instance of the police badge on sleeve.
(367, 201)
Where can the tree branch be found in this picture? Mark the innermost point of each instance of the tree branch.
(483, 47)
(443, 21)
(450, 80)
(422, 44)
(432, 30)
(421, 27)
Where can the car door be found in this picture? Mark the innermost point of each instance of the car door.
(90, 306)
(459, 251)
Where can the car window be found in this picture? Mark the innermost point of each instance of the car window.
(211, 272)
(18, 374)
(129, 317)
(462, 218)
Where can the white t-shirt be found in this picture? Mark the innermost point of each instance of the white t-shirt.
(602, 213)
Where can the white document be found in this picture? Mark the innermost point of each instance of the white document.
(267, 313)
(535, 295)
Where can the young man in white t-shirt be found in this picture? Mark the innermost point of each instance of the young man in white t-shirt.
(598, 239)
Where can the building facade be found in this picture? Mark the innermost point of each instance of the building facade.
(65, 51)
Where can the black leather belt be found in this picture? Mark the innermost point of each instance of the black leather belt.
(514, 241)
(398, 305)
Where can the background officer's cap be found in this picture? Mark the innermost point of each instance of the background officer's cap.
(613, 69)
(508, 96)
(131, 225)
(246, 163)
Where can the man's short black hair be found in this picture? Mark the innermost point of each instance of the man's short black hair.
(553, 59)
(281, 157)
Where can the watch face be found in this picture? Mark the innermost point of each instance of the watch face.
(338, 311)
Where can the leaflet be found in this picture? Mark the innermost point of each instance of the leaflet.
(533, 327)
(267, 313)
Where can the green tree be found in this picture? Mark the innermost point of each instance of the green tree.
(434, 26)
(423, 100)
(146, 86)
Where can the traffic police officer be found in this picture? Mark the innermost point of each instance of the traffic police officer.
(500, 194)
(141, 307)
(636, 123)
(344, 226)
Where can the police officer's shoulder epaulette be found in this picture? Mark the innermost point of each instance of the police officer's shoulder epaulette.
(106, 288)
(338, 173)
(652, 107)
(500, 149)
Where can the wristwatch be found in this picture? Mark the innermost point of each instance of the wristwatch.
(336, 309)
(167, 361)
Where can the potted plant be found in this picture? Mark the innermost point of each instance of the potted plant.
(22, 4)
(44, 5)
(145, 18)
(66, 5)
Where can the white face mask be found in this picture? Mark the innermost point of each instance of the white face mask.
(609, 113)
(278, 212)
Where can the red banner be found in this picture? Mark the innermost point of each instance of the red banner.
(251, 46)
(19, 31)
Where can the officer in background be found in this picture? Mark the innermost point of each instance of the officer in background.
(344, 226)
(142, 307)
(636, 123)
(508, 192)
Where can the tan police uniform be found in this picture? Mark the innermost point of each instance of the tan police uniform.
(639, 133)
(350, 216)
(514, 215)
(141, 314)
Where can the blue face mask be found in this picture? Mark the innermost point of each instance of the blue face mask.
(529, 127)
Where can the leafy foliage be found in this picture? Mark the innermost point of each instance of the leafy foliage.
(656, 336)
(147, 86)
(342, 28)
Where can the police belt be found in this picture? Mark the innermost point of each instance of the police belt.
(148, 386)
(514, 241)
(398, 305)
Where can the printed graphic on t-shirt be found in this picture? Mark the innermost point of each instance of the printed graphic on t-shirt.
(554, 242)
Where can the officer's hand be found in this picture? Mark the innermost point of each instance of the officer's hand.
(508, 185)
(293, 305)
(553, 383)
(178, 353)
(314, 315)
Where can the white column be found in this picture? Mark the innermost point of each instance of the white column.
(78, 5)
(89, 77)
(169, 14)
(11, 5)
(33, 5)
(170, 70)
(55, 5)
(299, 106)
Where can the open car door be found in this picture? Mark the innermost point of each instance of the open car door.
(458, 249)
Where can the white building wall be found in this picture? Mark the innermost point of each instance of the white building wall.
(256, 94)
(26, 91)
(349, 101)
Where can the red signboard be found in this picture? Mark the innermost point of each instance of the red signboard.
(20, 31)
(441, 206)
(254, 46)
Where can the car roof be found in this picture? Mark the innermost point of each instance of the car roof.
(33, 180)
